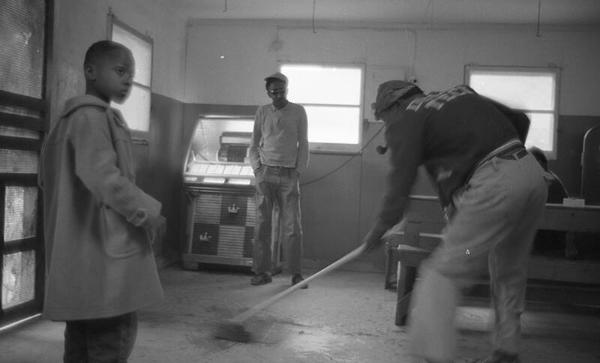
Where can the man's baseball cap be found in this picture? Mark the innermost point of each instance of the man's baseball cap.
(279, 76)
(391, 92)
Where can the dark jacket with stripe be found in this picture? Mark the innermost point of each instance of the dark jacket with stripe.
(448, 132)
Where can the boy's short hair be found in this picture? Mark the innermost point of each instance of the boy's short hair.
(101, 49)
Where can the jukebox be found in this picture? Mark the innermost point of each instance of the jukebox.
(220, 195)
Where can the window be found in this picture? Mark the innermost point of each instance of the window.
(531, 90)
(136, 109)
(332, 97)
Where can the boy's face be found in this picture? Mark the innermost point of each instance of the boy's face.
(110, 77)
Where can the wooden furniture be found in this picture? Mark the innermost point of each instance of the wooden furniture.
(421, 234)
(572, 219)
(408, 247)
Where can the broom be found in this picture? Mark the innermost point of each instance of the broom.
(233, 329)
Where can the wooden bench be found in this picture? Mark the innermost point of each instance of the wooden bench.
(407, 246)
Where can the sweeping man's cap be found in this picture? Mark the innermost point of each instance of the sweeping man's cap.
(391, 92)
(279, 76)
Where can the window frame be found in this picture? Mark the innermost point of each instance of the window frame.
(18, 314)
(138, 136)
(548, 70)
(335, 148)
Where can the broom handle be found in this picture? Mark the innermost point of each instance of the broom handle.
(255, 309)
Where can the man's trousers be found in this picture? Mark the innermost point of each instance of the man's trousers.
(491, 228)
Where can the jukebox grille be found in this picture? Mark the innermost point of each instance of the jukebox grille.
(229, 241)
(223, 225)
(207, 208)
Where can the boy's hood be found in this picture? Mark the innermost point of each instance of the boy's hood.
(80, 101)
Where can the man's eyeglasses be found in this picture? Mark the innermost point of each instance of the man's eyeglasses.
(276, 91)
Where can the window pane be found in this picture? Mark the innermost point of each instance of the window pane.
(323, 85)
(18, 278)
(541, 131)
(523, 90)
(22, 47)
(136, 109)
(20, 213)
(18, 161)
(142, 53)
(339, 125)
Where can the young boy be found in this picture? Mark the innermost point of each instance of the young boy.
(98, 225)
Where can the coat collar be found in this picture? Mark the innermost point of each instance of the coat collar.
(88, 100)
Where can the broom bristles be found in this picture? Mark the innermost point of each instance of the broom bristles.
(233, 332)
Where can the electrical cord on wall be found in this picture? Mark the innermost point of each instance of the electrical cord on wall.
(347, 161)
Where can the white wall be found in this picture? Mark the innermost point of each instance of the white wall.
(436, 56)
(79, 23)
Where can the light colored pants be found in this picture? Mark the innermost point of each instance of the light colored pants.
(277, 185)
(491, 227)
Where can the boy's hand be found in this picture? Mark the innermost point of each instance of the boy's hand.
(155, 228)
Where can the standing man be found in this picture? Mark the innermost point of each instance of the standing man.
(278, 155)
(493, 191)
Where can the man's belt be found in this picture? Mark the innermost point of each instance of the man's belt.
(515, 153)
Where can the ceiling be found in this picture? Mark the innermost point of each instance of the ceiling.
(415, 12)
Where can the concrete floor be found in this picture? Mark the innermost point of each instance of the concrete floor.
(343, 317)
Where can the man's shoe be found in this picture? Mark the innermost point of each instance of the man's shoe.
(296, 279)
(499, 356)
(261, 279)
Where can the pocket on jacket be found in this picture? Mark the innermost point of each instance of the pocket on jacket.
(120, 239)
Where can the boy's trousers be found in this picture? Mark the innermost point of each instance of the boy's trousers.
(491, 227)
(106, 340)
